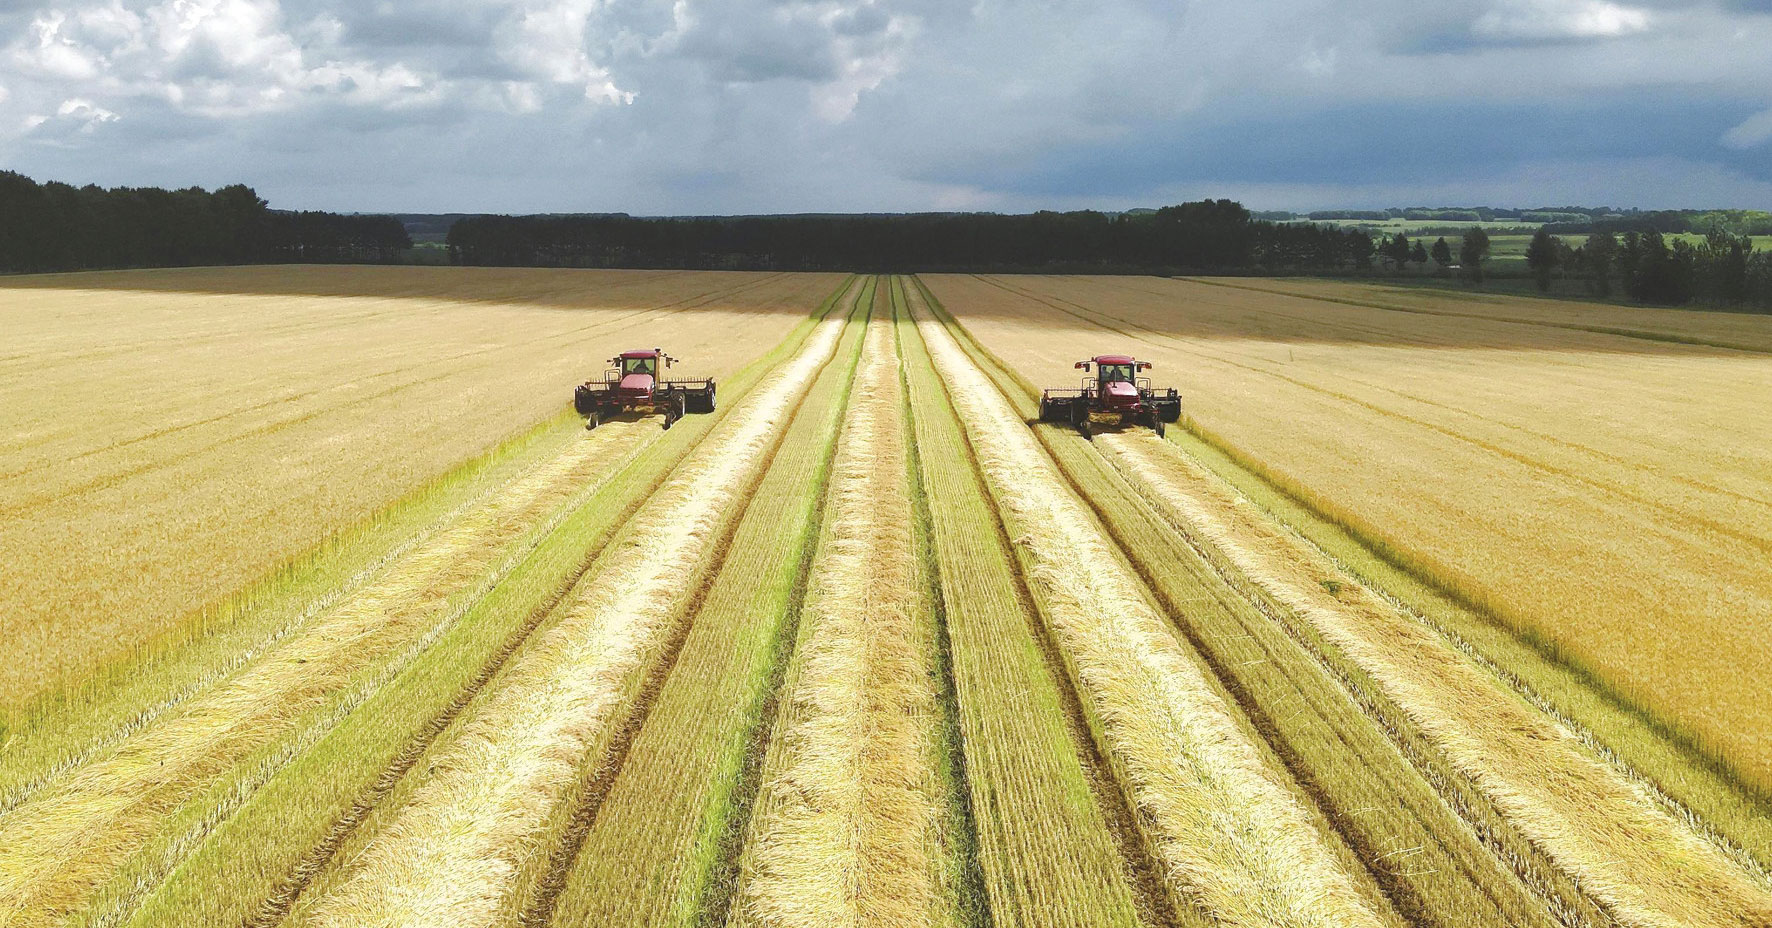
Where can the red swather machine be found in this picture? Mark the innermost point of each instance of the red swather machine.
(633, 384)
(1115, 390)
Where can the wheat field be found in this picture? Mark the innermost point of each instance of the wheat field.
(1433, 610)
(1604, 494)
(167, 437)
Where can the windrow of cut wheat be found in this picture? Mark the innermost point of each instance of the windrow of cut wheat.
(846, 831)
(1048, 854)
(1648, 867)
(60, 844)
(661, 850)
(1229, 835)
(1596, 494)
(450, 854)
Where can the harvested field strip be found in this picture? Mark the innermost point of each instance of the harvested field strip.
(664, 839)
(1232, 838)
(66, 733)
(1435, 868)
(1047, 851)
(1646, 579)
(57, 847)
(1739, 342)
(454, 847)
(1607, 831)
(847, 826)
(325, 803)
(1672, 759)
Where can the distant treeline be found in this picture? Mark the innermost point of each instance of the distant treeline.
(58, 227)
(1562, 219)
(1211, 235)
(1723, 269)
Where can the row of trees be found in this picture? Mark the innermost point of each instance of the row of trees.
(1208, 235)
(58, 227)
(1722, 270)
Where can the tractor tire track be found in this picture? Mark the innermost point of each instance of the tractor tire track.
(1593, 329)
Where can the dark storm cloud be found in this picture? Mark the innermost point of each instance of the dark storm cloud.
(696, 106)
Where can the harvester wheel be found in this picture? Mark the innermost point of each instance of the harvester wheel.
(673, 410)
(593, 419)
(1157, 425)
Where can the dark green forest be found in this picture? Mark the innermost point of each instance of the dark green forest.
(59, 227)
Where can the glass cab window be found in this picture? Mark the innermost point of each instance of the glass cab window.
(1111, 373)
(639, 365)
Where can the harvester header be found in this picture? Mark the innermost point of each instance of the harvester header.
(1116, 391)
(632, 384)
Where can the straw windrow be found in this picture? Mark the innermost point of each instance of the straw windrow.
(57, 848)
(1231, 838)
(450, 855)
(846, 828)
(1608, 831)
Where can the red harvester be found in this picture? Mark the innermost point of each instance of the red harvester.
(633, 384)
(1115, 390)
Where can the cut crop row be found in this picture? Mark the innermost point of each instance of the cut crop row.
(1433, 866)
(1622, 847)
(1616, 844)
(663, 844)
(468, 836)
(849, 824)
(1233, 838)
(285, 768)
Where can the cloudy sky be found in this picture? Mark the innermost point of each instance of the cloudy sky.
(697, 106)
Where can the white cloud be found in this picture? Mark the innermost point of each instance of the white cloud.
(1560, 19)
(547, 43)
(1752, 132)
(745, 105)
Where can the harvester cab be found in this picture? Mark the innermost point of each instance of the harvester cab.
(633, 383)
(1114, 391)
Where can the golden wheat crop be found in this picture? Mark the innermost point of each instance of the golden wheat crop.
(1595, 491)
(451, 852)
(1649, 867)
(167, 437)
(846, 831)
(1230, 837)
